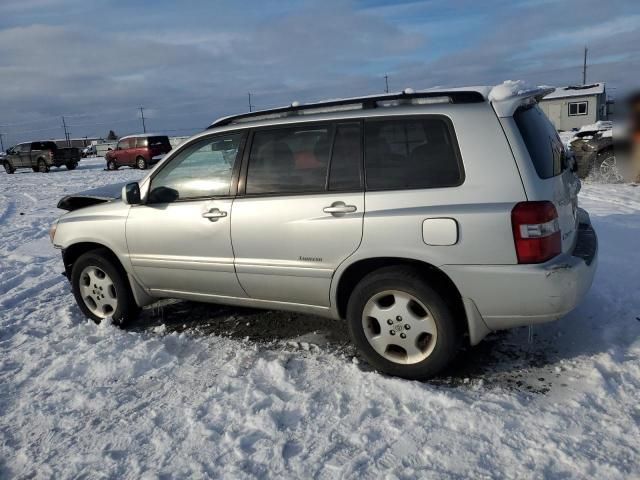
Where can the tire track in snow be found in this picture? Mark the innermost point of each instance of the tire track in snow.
(8, 211)
(12, 300)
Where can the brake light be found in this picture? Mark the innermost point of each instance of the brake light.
(536, 231)
(50, 153)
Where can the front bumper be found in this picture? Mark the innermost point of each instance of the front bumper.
(508, 296)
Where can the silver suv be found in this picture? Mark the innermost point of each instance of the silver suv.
(424, 219)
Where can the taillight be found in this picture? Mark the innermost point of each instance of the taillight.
(536, 231)
(50, 153)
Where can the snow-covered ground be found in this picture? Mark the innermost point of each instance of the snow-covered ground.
(196, 391)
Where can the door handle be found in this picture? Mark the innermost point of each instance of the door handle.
(214, 214)
(338, 208)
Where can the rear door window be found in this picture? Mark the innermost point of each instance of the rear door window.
(141, 142)
(411, 153)
(289, 160)
(543, 143)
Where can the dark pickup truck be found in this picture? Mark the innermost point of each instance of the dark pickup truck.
(40, 157)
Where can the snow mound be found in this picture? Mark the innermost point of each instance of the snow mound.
(598, 126)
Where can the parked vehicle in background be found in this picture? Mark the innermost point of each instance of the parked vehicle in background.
(138, 151)
(89, 151)
(594, 152)
(425, 219)
(40, 157)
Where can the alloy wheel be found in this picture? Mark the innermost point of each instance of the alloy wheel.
(98, 292)
(399, 327)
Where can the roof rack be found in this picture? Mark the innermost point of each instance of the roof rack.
(406, 97)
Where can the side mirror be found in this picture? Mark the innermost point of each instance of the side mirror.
(131, 194)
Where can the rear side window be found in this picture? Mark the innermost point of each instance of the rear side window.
(542, 141)
(289, 160)
(411, 153)
(141, 142)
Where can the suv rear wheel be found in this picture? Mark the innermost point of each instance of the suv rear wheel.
(401, 325)
(141, 163)
(101, 288)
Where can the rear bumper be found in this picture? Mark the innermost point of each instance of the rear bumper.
(508, 296)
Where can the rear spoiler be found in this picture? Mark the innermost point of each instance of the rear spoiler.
(91, 197)
(507, 97)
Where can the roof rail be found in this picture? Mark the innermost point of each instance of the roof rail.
(407, 96)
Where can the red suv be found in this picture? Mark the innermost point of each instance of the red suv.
(138, 151)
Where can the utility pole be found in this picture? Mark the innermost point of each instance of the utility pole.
(250, 106)
(66, 133)
(144, 127)
(1, 142)
(386, 83)
(584, 67)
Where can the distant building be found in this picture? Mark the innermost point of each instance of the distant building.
(576, 106)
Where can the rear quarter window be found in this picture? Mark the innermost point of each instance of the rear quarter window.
(542, 141)
(411, 153)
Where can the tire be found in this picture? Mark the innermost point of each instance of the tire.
(141, 163)
(112, 165)
(42, 166)
(606, 168)
(110, 295)
(431, 333)
(71, 166)
(9, 168)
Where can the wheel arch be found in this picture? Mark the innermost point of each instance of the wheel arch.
(439, 280)
(71, 253)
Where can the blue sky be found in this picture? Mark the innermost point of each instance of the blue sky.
(192, 61)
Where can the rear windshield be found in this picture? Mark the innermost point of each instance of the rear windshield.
(161, 141)
(542, 141)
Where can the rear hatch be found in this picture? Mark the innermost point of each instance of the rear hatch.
(159, 145)
(550, 160)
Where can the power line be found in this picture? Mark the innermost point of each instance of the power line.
(584, 67)
(144, 127)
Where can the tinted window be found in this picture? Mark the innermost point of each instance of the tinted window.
(542, 141)
(346, 158)
(124, 144)
(141, 142)
(203, 169)
(410, 153)
(289, 160)
(161, 141)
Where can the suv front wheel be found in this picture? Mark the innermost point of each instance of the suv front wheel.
(101, 288)
(401, 325)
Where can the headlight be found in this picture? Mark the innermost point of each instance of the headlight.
(52, 231)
